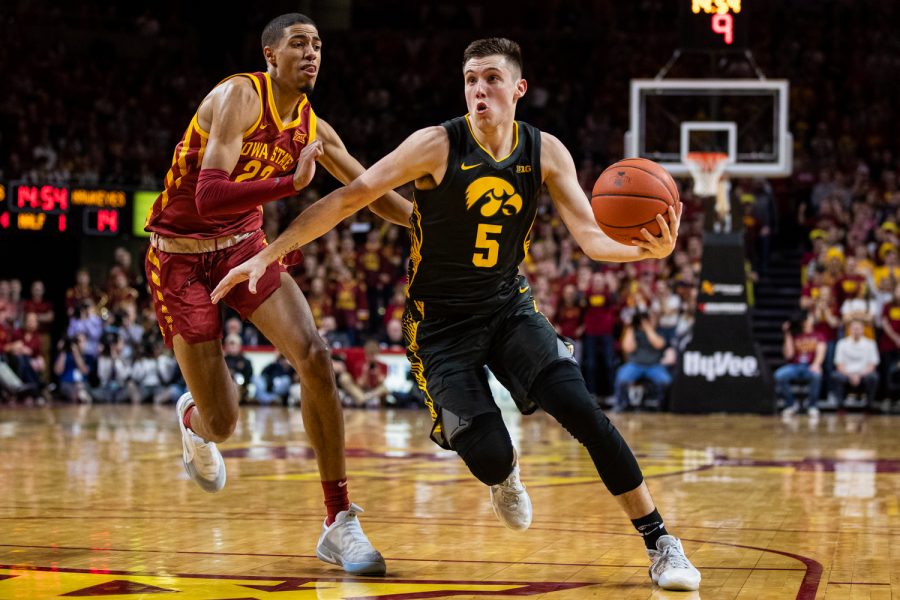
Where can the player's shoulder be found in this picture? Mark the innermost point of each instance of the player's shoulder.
(554, 154)
(237, 87)
(429, 139)
(550, 142)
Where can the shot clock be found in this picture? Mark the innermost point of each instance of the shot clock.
(714, 24)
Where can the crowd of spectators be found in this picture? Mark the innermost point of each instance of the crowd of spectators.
(107, 99)
(847, 337)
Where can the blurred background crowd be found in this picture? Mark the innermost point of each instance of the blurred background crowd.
(107, 100)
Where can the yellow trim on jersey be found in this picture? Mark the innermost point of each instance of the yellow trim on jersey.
(155, 286)
(270, 97)
(488, 152)
(415, 251)
(262, 108)
(416, 365)
(151, 256)
(312, 126)
(185, 146)
(205, 134)
(527, 243)
(163, 201)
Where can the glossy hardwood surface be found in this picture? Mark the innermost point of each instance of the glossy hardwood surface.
(94, 502)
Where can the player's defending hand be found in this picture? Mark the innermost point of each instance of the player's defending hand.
(306, 164)
(251, 270)
(663, 245)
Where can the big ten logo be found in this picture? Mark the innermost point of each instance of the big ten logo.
(497, 195)
(523, 168)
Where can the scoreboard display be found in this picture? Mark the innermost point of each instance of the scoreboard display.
(714, 24)
(69, 210)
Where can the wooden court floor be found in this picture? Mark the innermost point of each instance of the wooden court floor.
(94, 502)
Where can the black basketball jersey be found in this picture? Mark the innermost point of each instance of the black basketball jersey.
(470, 233)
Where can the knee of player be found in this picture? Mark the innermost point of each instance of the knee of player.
(491, 468)
(486, 448)
(314, 359)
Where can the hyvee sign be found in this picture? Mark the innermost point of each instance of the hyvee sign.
(718, 365)
(722, 370)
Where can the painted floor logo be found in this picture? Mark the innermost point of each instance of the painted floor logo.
(47, 582)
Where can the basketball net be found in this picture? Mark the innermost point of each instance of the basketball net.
(707, 170)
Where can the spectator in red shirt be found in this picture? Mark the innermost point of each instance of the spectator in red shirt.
(804, 350)
(83, 290)
(121, 293)
(320, 304)
(601, 306)
(39, 305)
(396, 306)
(24, 350)
(374, 270)
(370, 376)
(826, 315)
(570, 317)
(350, 306)
(849, 285)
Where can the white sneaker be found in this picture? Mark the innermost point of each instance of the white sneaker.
(343, 543)
(670, 568)
(790, 410)
(511, 502)
(813, 412)
(202, 460)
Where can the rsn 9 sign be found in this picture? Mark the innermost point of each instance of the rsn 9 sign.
(714, 24)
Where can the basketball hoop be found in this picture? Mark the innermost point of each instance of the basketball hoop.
(706, 170)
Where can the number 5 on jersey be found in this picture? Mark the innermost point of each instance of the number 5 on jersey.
(487, 248)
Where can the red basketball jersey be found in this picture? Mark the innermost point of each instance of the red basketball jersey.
(269, 149)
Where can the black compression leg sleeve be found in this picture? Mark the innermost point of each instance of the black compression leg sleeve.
(560, 390)
(486, 448)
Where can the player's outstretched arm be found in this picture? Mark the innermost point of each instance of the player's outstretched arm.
(422, 154)
(340, 163)
(575, 209)
(231, 109)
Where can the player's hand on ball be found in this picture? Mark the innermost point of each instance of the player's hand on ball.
(250, 270)
(306, 164)
(663, 245)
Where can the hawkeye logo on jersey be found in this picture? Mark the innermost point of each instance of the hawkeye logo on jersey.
(497, 194)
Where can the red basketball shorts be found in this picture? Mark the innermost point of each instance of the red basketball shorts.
(181, 284)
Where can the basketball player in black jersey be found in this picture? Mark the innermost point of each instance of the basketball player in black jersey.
(477, 180)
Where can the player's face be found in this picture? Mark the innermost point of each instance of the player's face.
(493, 86)
(297, 57)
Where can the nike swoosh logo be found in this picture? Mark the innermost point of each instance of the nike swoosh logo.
(466, 167)
(263, 126)
(523, 290)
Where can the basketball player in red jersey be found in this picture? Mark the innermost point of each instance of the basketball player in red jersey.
(477, 182)
(254, 139)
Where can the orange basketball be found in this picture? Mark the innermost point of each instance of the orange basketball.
(628, 195)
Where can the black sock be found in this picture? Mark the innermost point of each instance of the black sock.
(651, 527)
